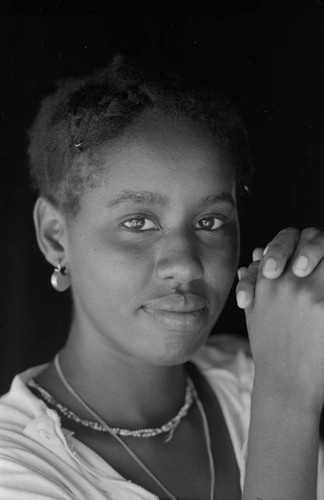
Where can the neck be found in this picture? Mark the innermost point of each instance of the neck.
(123, 391)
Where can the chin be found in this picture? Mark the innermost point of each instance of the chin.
(176, 349)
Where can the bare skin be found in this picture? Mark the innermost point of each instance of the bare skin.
(301, 251)
(285, 322)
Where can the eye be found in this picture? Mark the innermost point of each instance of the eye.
(139, 223)
(209, 223)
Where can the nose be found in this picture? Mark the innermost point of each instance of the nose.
(179, 261)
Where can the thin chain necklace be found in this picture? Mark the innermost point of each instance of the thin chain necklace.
(129, 450)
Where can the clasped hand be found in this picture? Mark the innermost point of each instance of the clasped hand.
(282, 293)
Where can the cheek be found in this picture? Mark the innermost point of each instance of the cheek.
(110, 265)
(130, 255)
(221, 260)
(221, 265)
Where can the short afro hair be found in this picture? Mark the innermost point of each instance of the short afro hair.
(84, 113)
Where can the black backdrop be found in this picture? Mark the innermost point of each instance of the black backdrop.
(271, 62)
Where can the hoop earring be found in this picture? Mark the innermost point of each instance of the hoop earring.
(60, 279)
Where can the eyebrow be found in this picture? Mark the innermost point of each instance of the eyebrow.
(150, 198)
(219, 198)
(144, 197)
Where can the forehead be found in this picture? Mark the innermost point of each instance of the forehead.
(162, 150)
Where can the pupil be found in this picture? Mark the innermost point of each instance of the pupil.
(137, 223)
(206, 223)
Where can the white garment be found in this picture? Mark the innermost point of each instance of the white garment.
(40, 460)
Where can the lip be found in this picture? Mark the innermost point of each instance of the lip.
(178, 311)
(179, 303)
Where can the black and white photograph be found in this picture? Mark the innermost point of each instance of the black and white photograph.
(162, 251)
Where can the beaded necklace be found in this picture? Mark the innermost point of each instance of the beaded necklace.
(167, 428)
(125, 446)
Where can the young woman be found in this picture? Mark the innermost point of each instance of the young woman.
(139, 181)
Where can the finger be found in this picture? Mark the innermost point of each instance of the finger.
(257, 254)
(246, 286)
(309, 252)
(278, 252)
(241, 271)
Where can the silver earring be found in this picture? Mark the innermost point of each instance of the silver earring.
(60, 279)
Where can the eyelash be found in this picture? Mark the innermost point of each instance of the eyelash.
(138, 218)
(210, 217)
(144, 217)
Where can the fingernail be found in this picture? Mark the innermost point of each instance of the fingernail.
(301, 264)
(242, 299)
(270, 266)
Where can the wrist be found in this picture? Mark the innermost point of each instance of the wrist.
(286, 398)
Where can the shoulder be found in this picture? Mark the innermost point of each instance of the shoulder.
(20, 412)
(18, 406)
(33, 457)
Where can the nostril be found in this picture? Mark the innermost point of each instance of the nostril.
(180, 268)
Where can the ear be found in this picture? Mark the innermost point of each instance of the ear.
(50, 226)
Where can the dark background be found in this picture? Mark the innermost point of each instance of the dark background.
(270, 60)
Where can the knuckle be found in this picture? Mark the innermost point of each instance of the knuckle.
(252, 273)
(283, 242)
(307, 246)
(291, 231)
(313, 248)
(245, 282)
(277, 249)
(254, 266)
(309, 232)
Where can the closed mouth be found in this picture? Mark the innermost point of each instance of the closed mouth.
(178, 303)
(178, 312)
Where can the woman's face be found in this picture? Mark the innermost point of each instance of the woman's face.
(154, 250)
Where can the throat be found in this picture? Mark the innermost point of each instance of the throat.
(146, 399)
(167, 428)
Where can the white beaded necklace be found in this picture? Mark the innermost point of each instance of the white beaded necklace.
(167, 428)
(129, 450)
